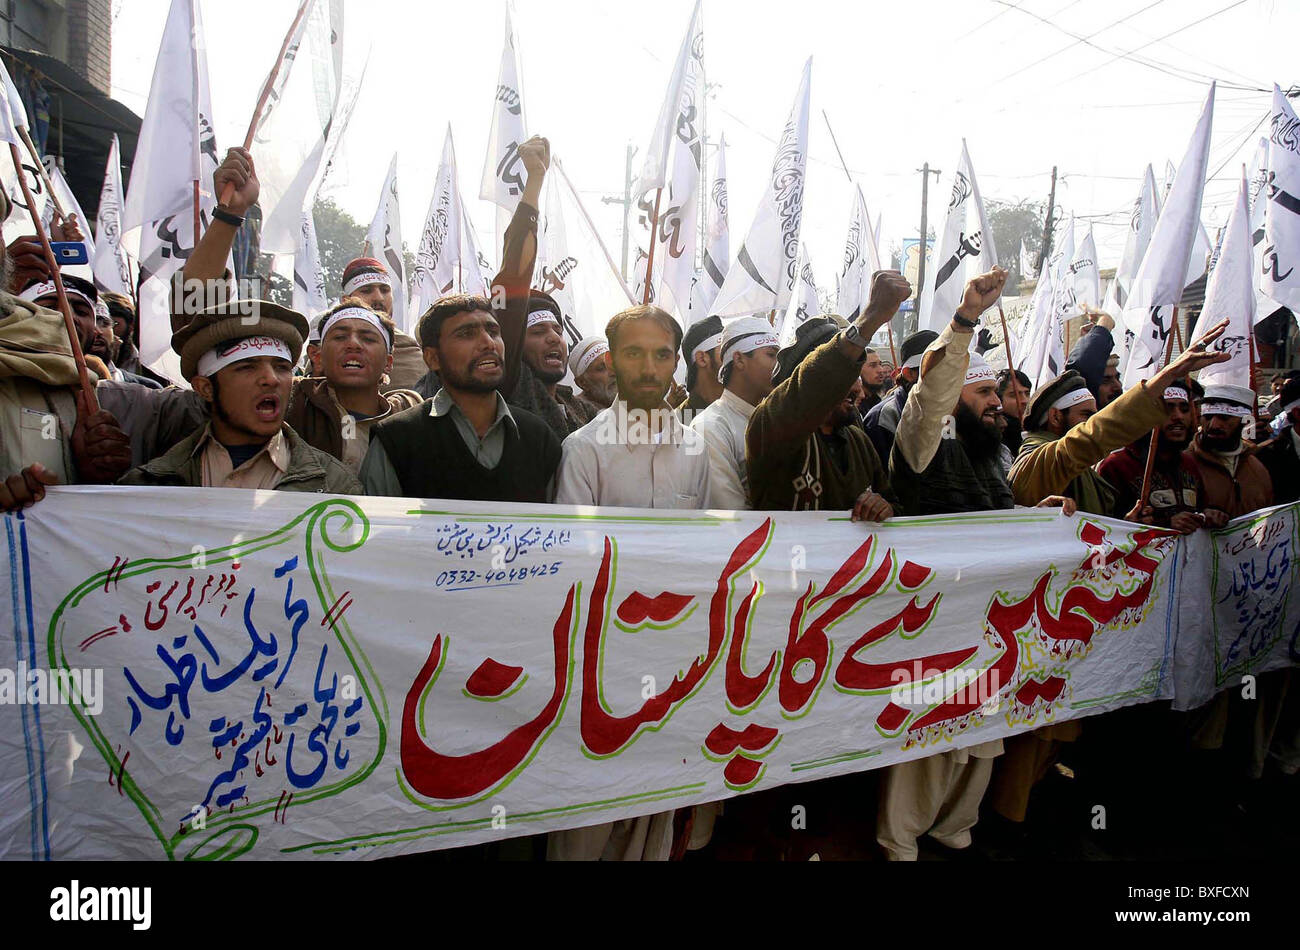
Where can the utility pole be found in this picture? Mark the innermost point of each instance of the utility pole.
(926, 171)
(625, 201)
(1046, 249)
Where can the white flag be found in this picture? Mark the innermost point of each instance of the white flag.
(1158, 286)
(310, 297)
(112, 264)
(1038, 353)
(1280, 267)
(1026, 261)
(293, 128)
(803, 303)
(176, 148)
(1141, 225)
(503, 173)
(654, 171)
(678, 201)
(763, 275)
(1258, 185)
(1230, 295)
(384, 238)
(965, 249)
(861, 261)
(573, 265)
(717, 248)
(446, 260)
(1086, 275)
(13, 114)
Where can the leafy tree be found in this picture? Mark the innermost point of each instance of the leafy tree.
(1012, 223)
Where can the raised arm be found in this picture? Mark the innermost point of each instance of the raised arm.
(512, 284)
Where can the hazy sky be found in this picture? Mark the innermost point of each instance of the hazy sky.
(901, 82)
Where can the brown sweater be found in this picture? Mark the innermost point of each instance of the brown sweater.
(1248, 489)
(791, 468)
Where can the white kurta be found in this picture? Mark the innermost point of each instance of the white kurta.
(613, 463)
(722, 427)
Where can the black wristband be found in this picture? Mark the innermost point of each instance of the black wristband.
(234, 220)
(968, 324)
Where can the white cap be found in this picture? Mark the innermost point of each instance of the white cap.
(979, 370)
(745, 335)
(585, 353)
(1242, 395)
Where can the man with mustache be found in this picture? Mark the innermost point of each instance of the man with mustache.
(367, 280)
(635, 454)
(1232, 481)
(945, 459)
(466, 442)
(592, 373)
(543, 363)
(1172, 502)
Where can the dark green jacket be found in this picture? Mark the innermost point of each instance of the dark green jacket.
(310, 470)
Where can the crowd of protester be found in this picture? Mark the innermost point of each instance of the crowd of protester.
(474, 407)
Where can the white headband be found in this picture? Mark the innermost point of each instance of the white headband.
(365, 280)
(979, 371)
(221, 356)
(1176, 393)
(595, 350)
(1211, 407)
(707, 344)
(542, 316)
(748, 343)
(354, 313)
(914, 362)
(36, 291)
(1072, 398)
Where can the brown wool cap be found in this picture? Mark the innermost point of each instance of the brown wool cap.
(226, 322)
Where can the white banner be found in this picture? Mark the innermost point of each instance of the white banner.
(965, 249)
(1086, 276)
(274, 675)
(803, 302)
(764, 273)
(310, 297)
(384, 240)
(446, 260)
(654, 170)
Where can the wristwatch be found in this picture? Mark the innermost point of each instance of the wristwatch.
(229, 217)
(968, 324)
(854, 336)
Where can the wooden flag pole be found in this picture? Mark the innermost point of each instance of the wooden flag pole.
(1178, 332)
(654, 239)
(92, 404)
(1155, 435)
(266, 90)
(1006, 340)
(893, 354)
(59, 213)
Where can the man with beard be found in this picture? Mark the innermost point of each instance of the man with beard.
(1013, 392)
(466, 443)
(1172, 502)
(802, 446)
(46, 435)
(882, 420)
(940, 794)
(1066, 435)
(93, 323)
(592, 373)
(243, 368)
(874, 378)
(1232, 481)
(544, 363)
(635, 454)
(336, 411)
(1091, 358)
(749, 348)
(701, 350)
(1282, 456)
